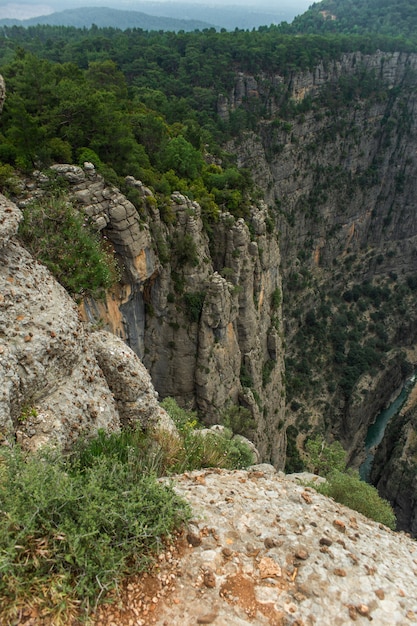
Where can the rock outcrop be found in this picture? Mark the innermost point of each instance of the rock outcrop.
(262, 549)
(198, 312)
(57, 380)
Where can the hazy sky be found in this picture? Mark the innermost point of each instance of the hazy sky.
(33, 8)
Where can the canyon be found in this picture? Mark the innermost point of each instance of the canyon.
(303, 314)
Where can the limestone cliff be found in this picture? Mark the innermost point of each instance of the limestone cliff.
(57, 380)
(203, 314)
(335, 154)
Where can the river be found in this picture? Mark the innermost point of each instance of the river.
(377, 429)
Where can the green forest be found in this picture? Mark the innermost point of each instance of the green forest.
(387, 17)
(146, 103)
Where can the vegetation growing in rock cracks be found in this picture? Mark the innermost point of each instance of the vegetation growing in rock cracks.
(195, 449)
(63, 239)
(72, 526)
(346, 487)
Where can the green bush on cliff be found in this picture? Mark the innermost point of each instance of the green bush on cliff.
(346, 487)
(324, 459)
(350, 490)
(62, 239)
(195, 450)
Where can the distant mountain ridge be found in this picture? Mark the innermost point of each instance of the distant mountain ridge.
(164, 16)
(104, 17)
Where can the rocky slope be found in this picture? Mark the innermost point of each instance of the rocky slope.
(57, 380)
(264, 549)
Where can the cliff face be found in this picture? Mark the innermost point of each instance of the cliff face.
(335, 154)
(340, 166)
(395, 466)
(58, 381)
(204, 315)
(213, 338)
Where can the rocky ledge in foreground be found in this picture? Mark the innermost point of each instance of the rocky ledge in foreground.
(264, 549)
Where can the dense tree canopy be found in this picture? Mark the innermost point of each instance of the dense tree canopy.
(388, 17)
(146, 103)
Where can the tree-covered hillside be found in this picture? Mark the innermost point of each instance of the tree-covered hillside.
(385, 17)
(127, 95)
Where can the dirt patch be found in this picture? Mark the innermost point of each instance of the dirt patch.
(139, 598)
(239, 589)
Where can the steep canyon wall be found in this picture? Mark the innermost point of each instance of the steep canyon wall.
(323, 271)
(203, 312)
(335, 152)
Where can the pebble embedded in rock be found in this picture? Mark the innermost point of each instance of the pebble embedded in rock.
(193, 540)
(341, 526)
(209, 579)
(325, 541)
(268, 568)
(338, 571)
(302, 554)
(363, 610)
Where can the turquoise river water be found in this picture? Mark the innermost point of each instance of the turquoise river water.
(377, 429)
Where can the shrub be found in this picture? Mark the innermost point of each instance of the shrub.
(240, 420)
(350, 490)
(267, 370)
(194, 304)
(62, 239)
(245, 377)
(9, 182)
(196, 450)
(69, 530)
(276, 299)
(185, 250)
(345, 487)
(322, 458)
(293, 460)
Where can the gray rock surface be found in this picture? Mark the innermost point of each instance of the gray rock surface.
(110, 210)
(56, 380)
(129, 382)
(262, 549)
(198, 315)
